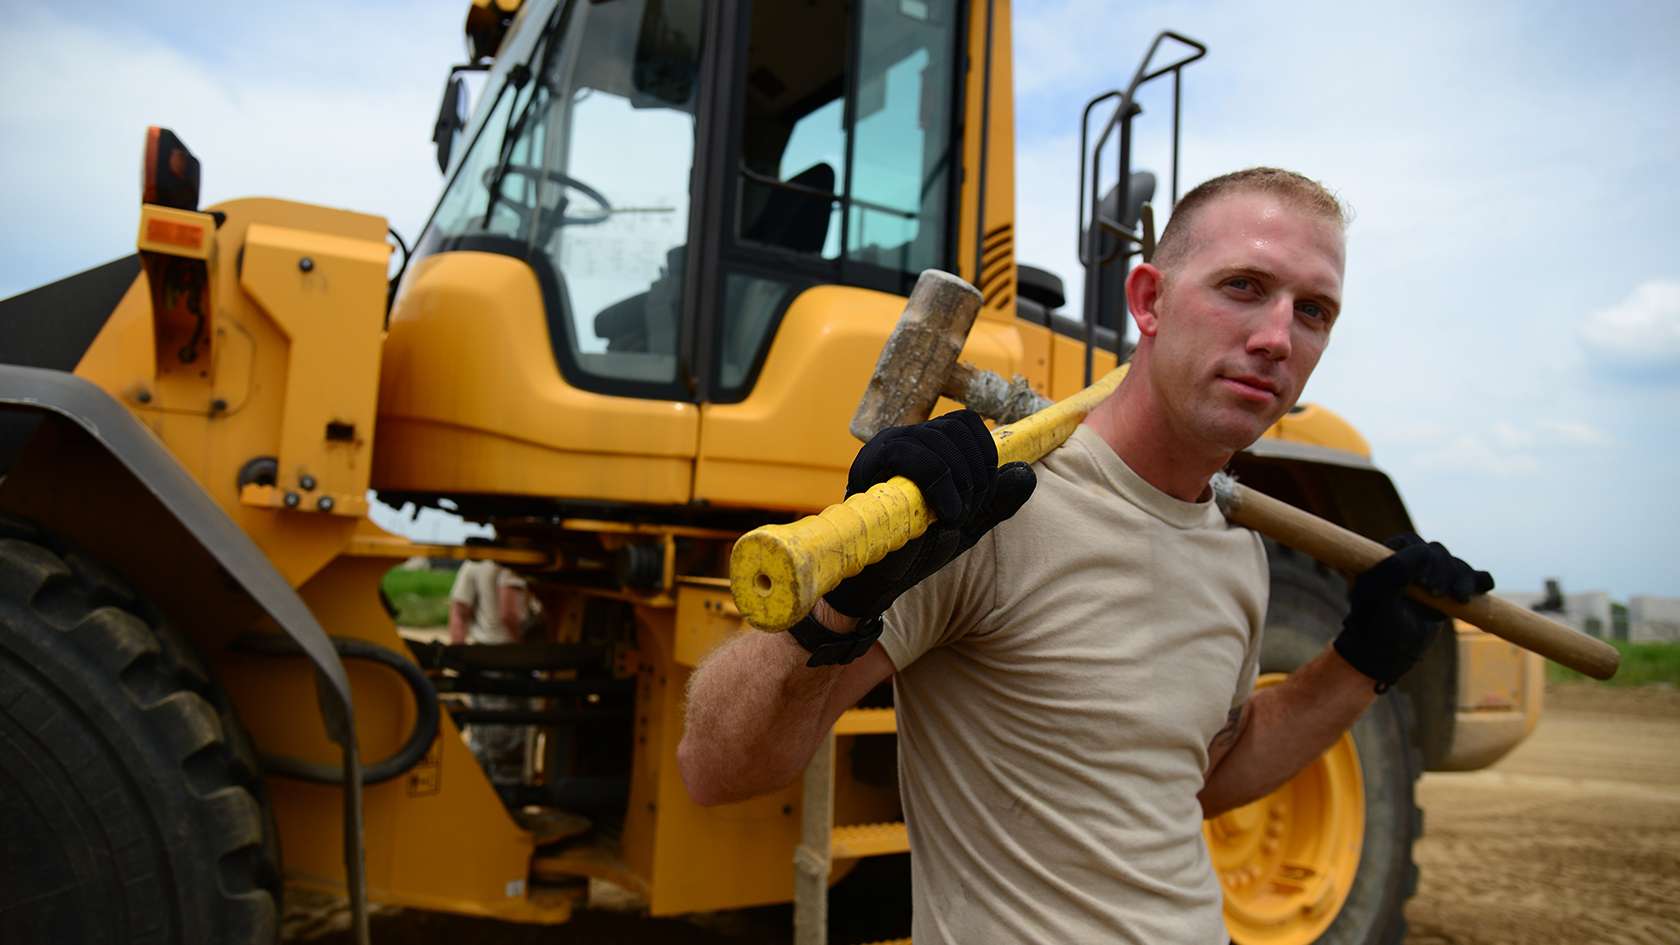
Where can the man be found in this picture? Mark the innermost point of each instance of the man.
(1075, 692)
(488, 604)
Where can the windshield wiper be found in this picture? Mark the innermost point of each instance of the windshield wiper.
(517, 77)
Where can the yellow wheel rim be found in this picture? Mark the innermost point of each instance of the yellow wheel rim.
(1286, 862)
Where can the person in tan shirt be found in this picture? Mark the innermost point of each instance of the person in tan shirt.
(489, 604)
(1075, 682)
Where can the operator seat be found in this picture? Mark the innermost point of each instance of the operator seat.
(796, 219)
(791, 219)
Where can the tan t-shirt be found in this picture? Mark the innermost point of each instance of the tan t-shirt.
(477, 585)
(1057, 689)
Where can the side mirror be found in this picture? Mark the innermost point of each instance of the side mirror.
(452, 118)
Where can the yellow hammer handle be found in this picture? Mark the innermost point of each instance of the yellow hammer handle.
(777, 572)
(1354, 553)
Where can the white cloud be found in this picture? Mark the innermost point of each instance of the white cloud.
(1641, 332)
(1505, 449)
(1475, 455)
(1575, 433)
(298, 116)
(1508, 436)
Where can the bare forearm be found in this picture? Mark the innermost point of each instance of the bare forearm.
(460, 616)
(755, 713)
(1290, 724)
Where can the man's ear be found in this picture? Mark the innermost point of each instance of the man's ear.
(1143, 297)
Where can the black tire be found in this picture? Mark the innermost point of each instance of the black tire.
(1308, 602)
(131, 806)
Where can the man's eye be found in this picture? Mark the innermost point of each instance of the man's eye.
(1240, 283)
(1313, 310)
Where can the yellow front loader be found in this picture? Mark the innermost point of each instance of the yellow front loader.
(673, 238)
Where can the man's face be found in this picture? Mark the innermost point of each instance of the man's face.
(1243, 318)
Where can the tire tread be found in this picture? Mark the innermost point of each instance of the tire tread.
(101, 619)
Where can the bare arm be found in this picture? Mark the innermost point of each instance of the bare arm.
(757, 713)
(510, 602)
(460, 618)
(1281, 729)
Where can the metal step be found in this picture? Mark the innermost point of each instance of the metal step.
(867, 722)
(858, 840)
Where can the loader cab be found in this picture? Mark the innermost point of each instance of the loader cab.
(675, 172)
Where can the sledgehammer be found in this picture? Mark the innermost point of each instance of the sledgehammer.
(777, 572)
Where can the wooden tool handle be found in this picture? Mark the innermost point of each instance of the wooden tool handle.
(777, 572)
(1353, 553)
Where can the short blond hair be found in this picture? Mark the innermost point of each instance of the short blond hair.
(1298, 190)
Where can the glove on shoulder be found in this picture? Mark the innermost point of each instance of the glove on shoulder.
(953, 460)
(1386, 632)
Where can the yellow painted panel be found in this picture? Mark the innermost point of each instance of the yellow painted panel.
(706, 617)
(729, 856)
(326, 294)
(437, 837)
(696, 858)
(422, 455)
(471, 399)
(1320, 426)
(1490, 672)
(1035, 355)
(869, 840)
(224, 412)
(1501, 691)
(786, 446)
(867, 722)
(1067, 366)
(989, 106)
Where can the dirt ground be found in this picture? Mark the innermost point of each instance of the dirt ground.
(1573, 838)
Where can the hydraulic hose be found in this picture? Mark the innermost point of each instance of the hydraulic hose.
(412, 750)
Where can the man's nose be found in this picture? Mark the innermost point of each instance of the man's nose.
(1270, 336)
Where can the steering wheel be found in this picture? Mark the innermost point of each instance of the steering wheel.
(600, 213)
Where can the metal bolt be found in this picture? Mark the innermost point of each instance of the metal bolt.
(325, 503)
(144, 396)
(306, 264)
(291, 500)
(218, 405)
(307, 482)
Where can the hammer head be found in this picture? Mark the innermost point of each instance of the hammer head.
(919, 354)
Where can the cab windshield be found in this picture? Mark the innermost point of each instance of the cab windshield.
(830, 133)
(580, 166)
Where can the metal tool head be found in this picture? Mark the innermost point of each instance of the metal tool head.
(918, 355)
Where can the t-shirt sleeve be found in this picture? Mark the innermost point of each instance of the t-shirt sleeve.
(1250, 670)
(944, 607)
(465, 590)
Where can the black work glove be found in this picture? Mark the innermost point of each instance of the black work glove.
(1386, 632)
(953, 460)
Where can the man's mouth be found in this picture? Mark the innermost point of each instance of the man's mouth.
(1251, 387)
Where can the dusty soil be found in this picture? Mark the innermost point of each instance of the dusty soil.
(1572, 838)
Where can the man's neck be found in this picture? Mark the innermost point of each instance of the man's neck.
(1135, 428)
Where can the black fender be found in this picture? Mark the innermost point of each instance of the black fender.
(91, 426)
(1350, 490)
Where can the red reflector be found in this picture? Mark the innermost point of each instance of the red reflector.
(175, 234)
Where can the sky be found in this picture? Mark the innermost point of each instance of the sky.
(1510, 340)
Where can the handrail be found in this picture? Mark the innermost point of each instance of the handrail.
(1090, 219)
